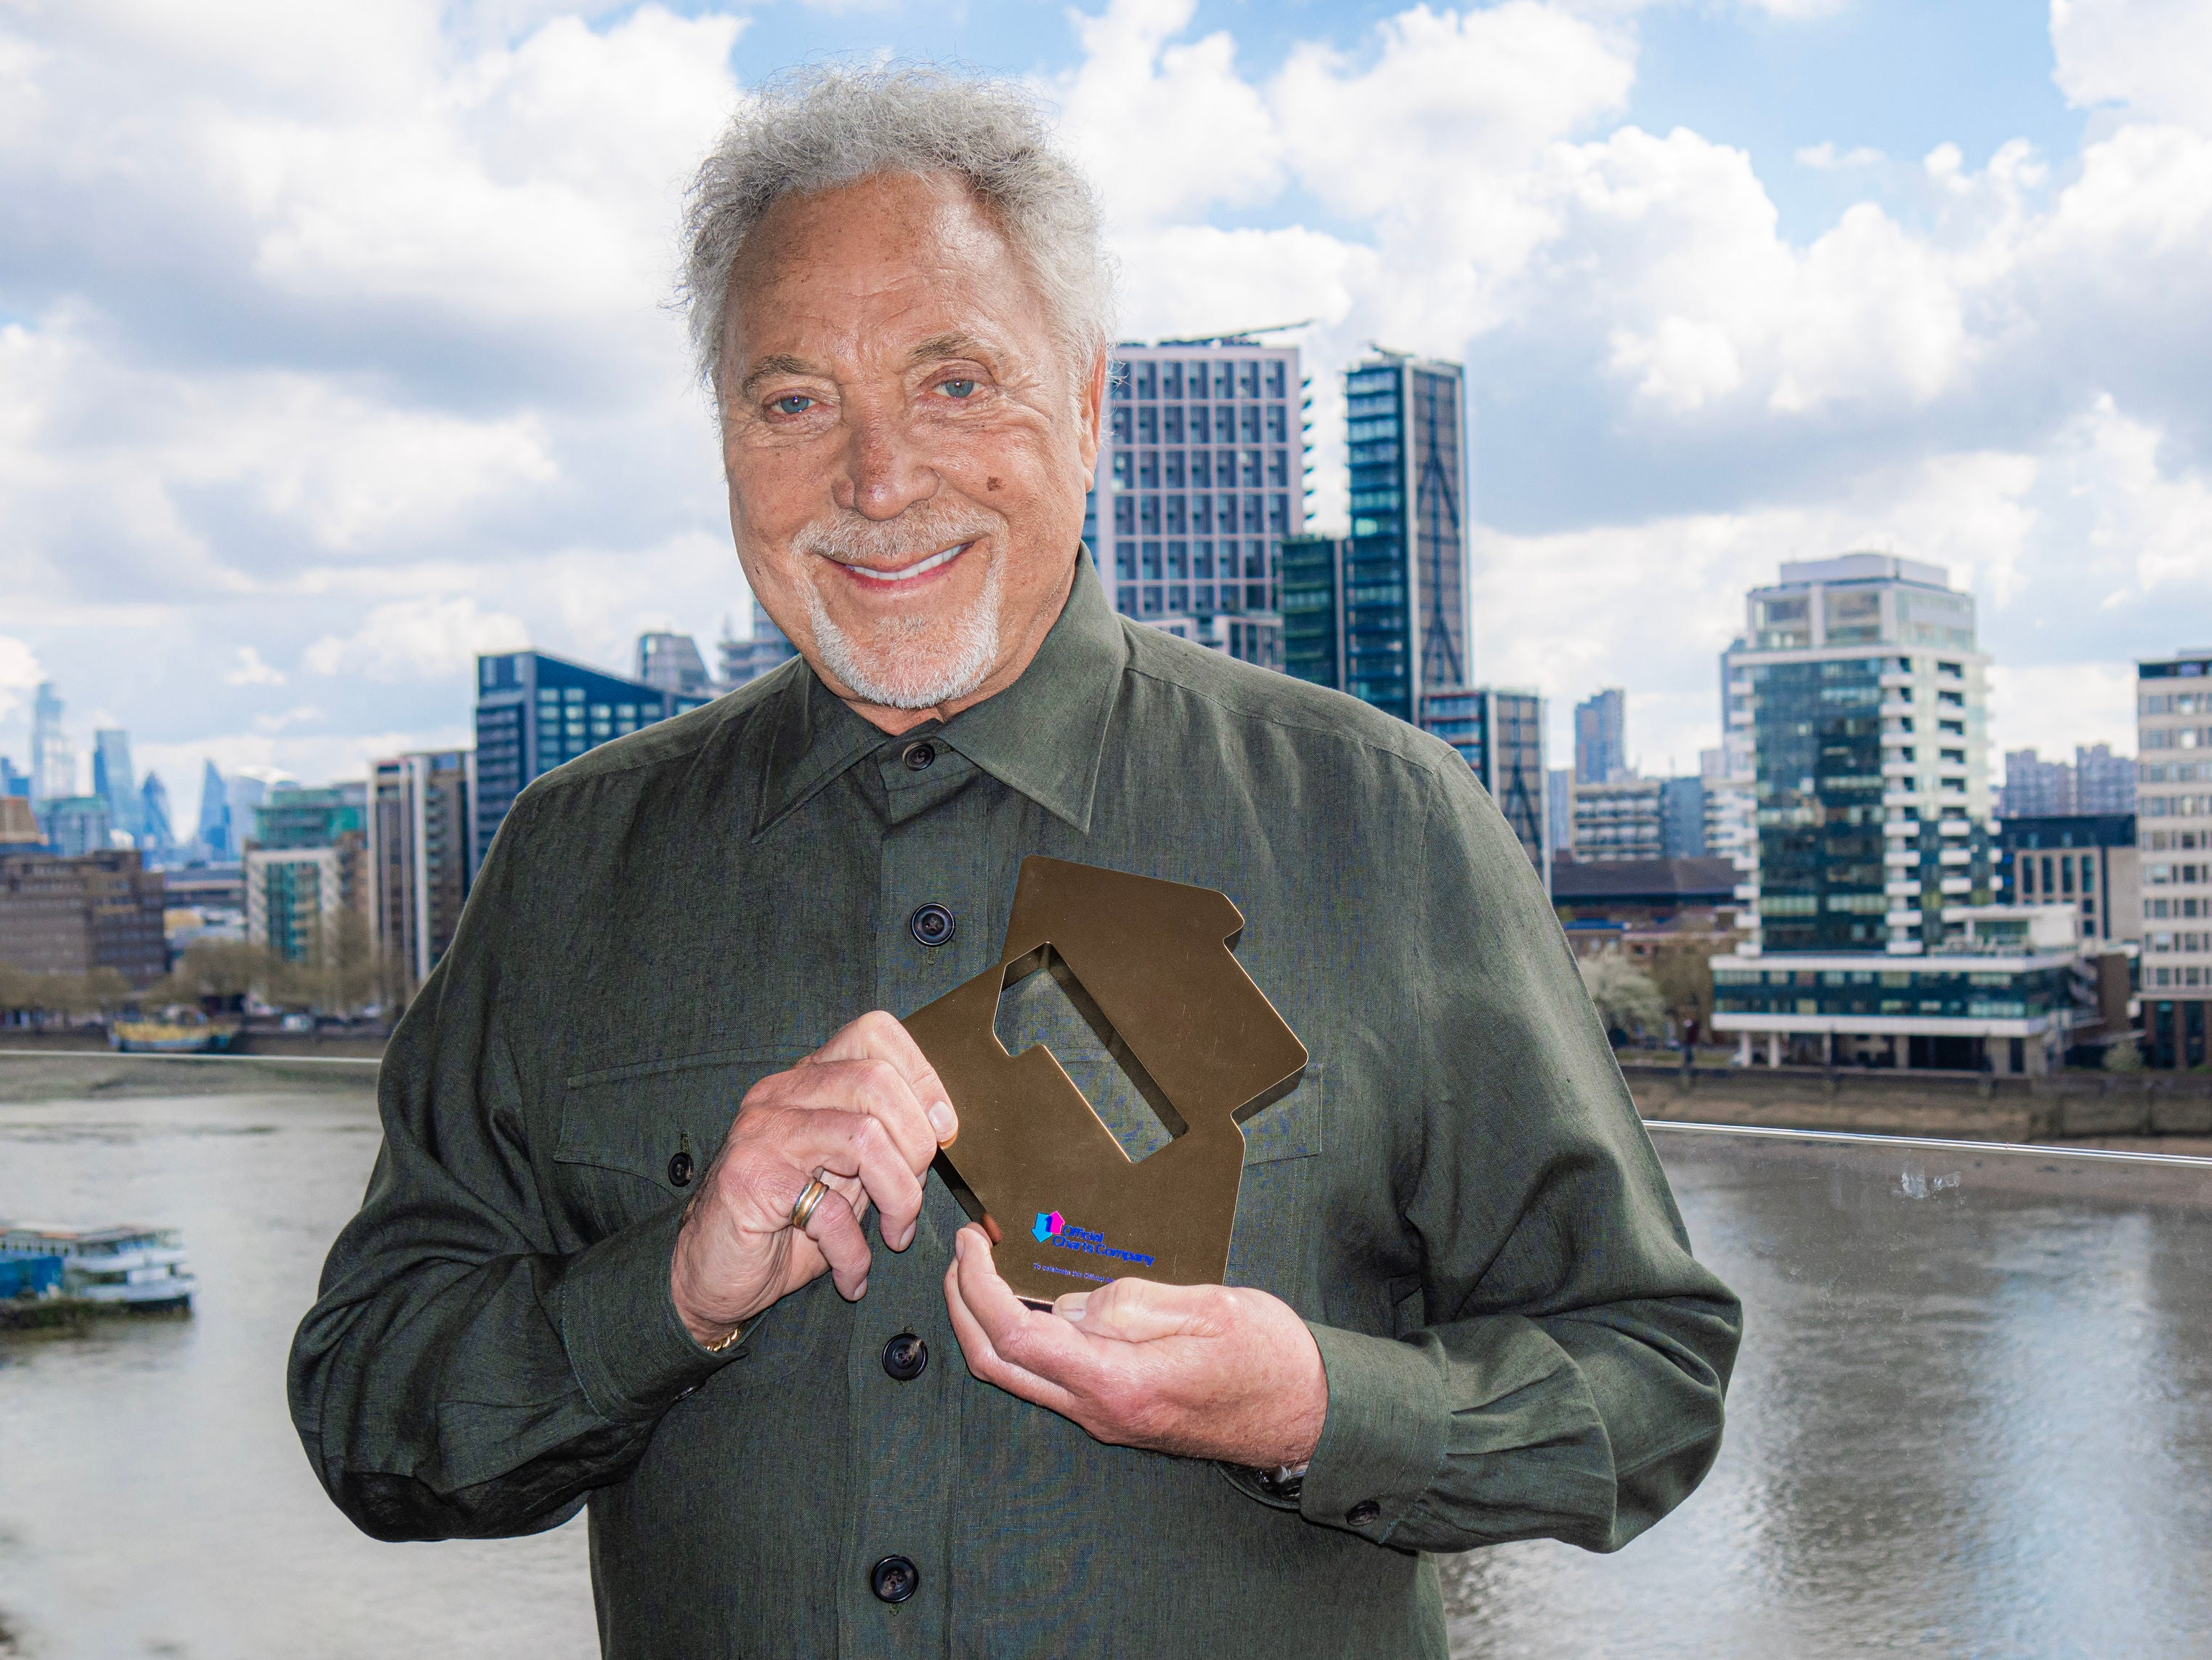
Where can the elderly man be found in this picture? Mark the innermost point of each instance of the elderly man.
(655, 1229)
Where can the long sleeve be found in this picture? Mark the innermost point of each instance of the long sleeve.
(1563, 1377)
(460, 1375)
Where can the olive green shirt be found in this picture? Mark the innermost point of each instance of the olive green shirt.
(1458, 1196)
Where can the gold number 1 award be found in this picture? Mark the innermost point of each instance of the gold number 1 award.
(1148, 965)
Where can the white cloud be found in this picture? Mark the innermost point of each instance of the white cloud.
(1825, 157)
(1165, 130)
(2153, 57)
(19, 672)
(416, 639)
(251, 670)
(2055, 707)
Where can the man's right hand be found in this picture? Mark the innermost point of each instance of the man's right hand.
(867, 1114)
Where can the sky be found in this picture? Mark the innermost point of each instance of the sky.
(336, 342)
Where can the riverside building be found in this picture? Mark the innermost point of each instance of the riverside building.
(1200, 476)
(1856, 705)
(2173, 836)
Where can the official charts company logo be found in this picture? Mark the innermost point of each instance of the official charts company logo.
(1051, 1228)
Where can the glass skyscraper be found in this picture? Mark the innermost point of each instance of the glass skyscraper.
(1501, 733)
(534, 712)
(1202, 474)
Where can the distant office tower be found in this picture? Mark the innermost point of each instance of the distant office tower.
(420, 850)
(292, 903)
(1624, 819)
(158, 834)
(1601, 738)
(246, 793)
(534, 712)
(72, 913)
(76, 824)
(13, 782)
(213, 832)
(53, 762)
(1682, 811)
(1202, 474)
(1559, 811)
(672, 662)
(2036, 788)
(114, 782)
(2103, 782)
(1501, 733)
(2174, 832)
(1864, 700)
(752, 657)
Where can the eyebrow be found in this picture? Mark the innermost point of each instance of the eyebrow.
(939, 347)
(778, 363)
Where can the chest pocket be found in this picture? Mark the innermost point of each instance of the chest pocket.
(635, 1138)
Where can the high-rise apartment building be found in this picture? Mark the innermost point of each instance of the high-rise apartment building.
(2103, 783)
(672, 662)
(1601, 738)
(1626, 819)
(292, 903)
(114, 781)
(1683, 818)
(421, 854)
(535, 712)
(1501, 733)
(752, 657)
(53, 759)
(1202, 474)
(2173, 835)
(298, 818)
(1860, 702)
(1856, 701)
(2035, 787)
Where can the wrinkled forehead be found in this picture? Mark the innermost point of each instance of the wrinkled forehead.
(868, 273)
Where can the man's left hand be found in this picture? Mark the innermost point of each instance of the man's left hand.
(1206, 1372)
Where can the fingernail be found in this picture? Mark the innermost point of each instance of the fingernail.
(942, 1121)
(1072, 1305)
(859, 1290)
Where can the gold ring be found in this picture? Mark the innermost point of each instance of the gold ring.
(808, 1201)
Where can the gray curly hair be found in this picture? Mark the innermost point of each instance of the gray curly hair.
(812, 128)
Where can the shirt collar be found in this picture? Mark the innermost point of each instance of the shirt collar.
(1043, 735)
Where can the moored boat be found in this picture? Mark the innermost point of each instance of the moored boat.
(173, 1037)
(124, 1267)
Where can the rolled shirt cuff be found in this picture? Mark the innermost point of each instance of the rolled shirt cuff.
(1385, 1436)
(629, 1349)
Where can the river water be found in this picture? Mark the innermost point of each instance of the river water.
(1973, 1418)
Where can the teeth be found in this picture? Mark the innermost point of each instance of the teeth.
(908, 571)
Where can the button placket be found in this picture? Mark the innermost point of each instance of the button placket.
(894, 1570)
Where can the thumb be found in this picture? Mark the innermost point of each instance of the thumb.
(1138, 1311)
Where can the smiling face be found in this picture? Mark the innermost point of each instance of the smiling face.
(907, 447)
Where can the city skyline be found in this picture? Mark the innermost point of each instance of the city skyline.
(373, 431)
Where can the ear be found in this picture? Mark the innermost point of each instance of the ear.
(1091, 403)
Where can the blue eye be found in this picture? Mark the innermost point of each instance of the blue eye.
(794, 403)
(958, 388)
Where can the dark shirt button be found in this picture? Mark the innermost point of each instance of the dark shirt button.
(931, 924)
(918, 756)
(1362, 1513)
(905, 1356)
(679, 1169)
(894, 1579)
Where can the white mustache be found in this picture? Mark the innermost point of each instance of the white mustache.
(850, 539)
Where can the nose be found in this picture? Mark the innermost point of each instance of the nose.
(885, 474)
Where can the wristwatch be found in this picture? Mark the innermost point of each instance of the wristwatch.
(1284, 1481)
